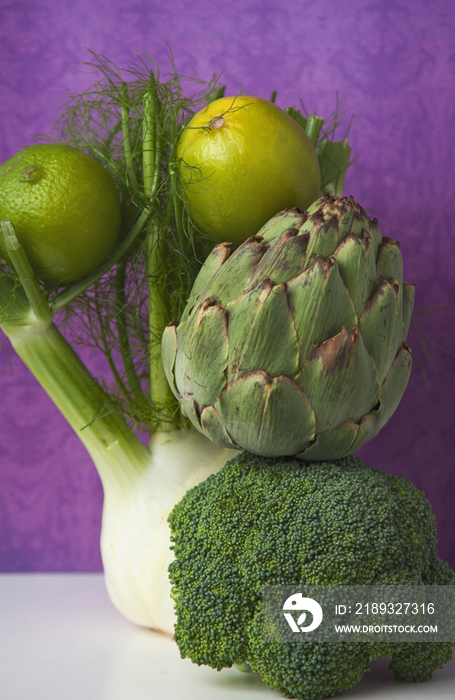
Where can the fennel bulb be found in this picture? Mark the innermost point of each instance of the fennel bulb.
(135, 544)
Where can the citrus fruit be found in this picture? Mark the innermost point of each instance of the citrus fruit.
(242, 160)
(64, 207)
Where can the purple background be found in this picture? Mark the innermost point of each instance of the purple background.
(392, 63)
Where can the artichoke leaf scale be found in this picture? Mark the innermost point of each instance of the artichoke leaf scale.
(320, 304)
(342, 440)
(368, 429)
(357, 264)
(214, 261)
(214, 429)
(189, 409)
(262, 333)
(231, 278)
(359, 224)
(344, 214)
(269, 417)
(364, 228)
(381, 325)
(394, 385)
(375, 233)
(323, 239)
(283, 261)
(201, 359)
(340, 380)
(389, 261)
(286, 219)
(341, 210)
(332, 444)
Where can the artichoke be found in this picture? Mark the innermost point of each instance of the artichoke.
(294, 343)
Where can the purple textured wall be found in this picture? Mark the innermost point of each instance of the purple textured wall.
(393, 63)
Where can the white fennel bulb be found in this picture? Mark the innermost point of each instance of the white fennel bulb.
(135, 542)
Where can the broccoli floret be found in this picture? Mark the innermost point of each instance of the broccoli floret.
(271, 522)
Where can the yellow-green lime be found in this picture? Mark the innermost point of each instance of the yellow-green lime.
(64, 207)
(242, 160)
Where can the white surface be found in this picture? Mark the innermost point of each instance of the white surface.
(61, 639)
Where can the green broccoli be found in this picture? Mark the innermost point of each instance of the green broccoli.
(266, 521)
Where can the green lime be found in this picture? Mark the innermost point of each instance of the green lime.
(64, 207)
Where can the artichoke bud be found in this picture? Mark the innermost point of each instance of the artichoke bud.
(294, 343)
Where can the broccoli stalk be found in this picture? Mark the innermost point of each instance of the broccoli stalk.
(269, 522)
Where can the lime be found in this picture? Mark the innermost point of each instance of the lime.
(64, 207)
(242, 160)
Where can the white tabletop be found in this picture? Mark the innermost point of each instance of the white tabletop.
(61, 639)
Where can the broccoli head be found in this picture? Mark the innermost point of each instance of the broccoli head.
(271, 522)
